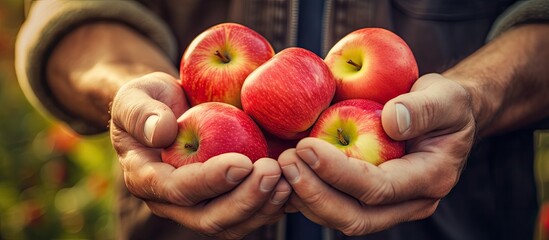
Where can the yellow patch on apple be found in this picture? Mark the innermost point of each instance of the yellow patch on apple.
(350, 64)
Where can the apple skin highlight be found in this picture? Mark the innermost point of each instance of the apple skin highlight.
(217, 62)
(372, 63)
(286, 94)
(209, 129)
(354, 127)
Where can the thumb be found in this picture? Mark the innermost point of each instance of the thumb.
(434, 105)
(147, 108)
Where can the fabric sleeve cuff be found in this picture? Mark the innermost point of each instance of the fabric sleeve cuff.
(526, 11)
(49, 21)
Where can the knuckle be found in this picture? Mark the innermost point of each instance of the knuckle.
(384, 191)
(143, 183)
(315, 200)
(130, 183)
(150, 181)
(246, 207)
(175, 195)
(209, 227)
(126, 112)
(355, 228)
(208, 185)
(148, 175)
(131, 118)
(428, 113)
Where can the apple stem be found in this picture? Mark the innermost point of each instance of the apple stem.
(224, 59)
(341, 137)
(358, 66)
(191, 146)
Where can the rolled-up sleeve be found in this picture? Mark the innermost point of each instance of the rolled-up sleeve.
(48, 21)
(522, 12)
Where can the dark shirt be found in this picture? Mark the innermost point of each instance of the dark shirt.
(499, 168)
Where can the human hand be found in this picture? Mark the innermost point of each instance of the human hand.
(227, 196)
(358, 198)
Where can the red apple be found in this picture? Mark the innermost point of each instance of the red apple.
(213, 128)
(218, 60)
(286, 94)
(278, 145)
(354, 127)
(372, 63)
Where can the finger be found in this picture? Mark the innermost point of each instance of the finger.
(413, 176)
(270, 213)
(186, 185)
(435, 104)
(273, 208)
(232, 208)
(324, 201)
(354, 177)
(316, 200)
(147, 108)
(300, 206)
(290, 208)
(373, 218)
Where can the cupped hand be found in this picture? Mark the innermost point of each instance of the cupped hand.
(228, 196)
(358, 198)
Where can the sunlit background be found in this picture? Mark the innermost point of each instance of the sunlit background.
(53, 184)
(57, 185)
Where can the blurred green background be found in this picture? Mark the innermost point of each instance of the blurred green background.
(53, 184)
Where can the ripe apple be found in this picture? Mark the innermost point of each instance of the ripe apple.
(212, 128)
(218, 60)
(286, 94)
(278, 145)
(354, 127)
(372, 63)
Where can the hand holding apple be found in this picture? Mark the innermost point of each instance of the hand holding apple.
(241, 196)
(372, 198)
(372, 63)
(213, 128)
(218, 60)
(354, 127)
(286, 94)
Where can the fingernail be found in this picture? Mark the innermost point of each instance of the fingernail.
(403, 117)
(236, 174)
(268, 183)
(150, 126)
(279, 197)
(291, 173)
(308, 156)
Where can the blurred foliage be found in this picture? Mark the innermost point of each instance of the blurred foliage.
(53, 183)
(542, 176)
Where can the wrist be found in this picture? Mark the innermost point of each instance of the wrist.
(484, 99)
(89, 65)
(505, 79)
